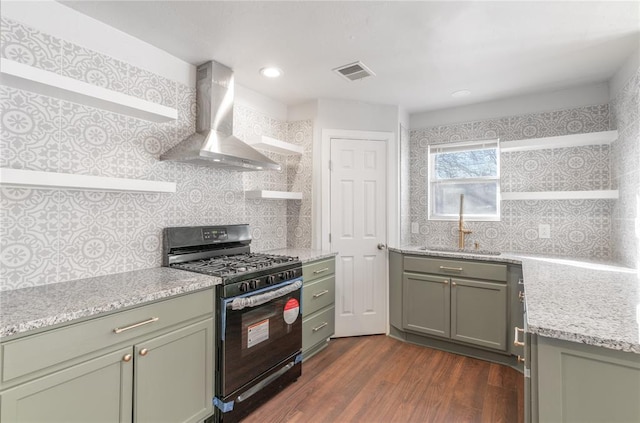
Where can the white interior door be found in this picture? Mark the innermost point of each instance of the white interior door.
(358, 224)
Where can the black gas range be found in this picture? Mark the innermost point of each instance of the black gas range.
(258, 320)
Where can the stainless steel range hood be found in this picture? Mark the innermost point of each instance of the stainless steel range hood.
(213, 144)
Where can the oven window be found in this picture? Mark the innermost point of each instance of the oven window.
(259, 338)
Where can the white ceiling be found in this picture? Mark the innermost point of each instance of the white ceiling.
(421, 51)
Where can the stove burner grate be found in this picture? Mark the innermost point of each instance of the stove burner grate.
(231, 265)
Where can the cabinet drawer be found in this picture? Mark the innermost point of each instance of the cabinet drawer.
(35, 353)
(318, 269)
(318, 294)
(462, 268)
(318, 328)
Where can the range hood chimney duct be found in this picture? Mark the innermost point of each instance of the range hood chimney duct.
(213, 143)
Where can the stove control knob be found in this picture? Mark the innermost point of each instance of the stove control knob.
(254, 284)
(290, 274)
(270, 279)
(244, 287)
(281, 276)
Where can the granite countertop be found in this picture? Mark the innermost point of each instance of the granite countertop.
(304, 254)
(584, 301)
(27, 309)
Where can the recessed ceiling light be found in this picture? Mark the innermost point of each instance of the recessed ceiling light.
(270, 72)
(460, 93)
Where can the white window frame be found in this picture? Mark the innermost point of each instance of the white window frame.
(431, 182)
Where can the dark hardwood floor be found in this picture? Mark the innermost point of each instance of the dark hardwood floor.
(379, 379)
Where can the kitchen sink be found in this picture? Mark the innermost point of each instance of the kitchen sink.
(463, 251)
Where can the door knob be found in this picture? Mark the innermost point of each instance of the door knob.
(381, 246)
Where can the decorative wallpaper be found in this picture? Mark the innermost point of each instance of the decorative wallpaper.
(579, 228)
(625, 117)
(49, 236)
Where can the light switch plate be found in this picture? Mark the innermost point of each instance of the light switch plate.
(415, 228)
(544, 231)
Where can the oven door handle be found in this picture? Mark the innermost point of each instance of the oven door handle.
(258, 387)
(241, 302)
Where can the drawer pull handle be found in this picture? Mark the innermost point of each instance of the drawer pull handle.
(451, 269)
(321, 293)
(136, 325)
(515, 337)
(520, 359)
(317, 328)
(320, 271)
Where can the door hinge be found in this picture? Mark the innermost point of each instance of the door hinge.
(329, 237)
(330, 166)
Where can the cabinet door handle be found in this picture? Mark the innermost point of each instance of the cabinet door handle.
(515, 337)
(126, 358)
(136, 325)
(453, 284)
(446, 281)
(521, 296)
(144, 352)
(520, 281)
(520, 359)
(321, 293)
(320, 271)
(317, 328)
(451, 269)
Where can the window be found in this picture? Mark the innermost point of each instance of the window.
(470, 168)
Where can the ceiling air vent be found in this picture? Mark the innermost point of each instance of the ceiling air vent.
(354, 71)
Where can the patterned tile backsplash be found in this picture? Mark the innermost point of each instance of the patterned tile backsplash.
(579, 228)
(625, 113)
(49, 236)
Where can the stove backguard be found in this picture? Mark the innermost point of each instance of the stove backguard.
(189, 243)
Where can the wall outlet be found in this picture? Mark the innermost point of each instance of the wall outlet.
(544, 231)
(415, 228)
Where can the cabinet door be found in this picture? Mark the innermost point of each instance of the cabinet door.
(173, 379)
(479, 313)
(425, 301)
(580, 383)
(98, 390)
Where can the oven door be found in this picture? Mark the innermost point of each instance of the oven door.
(258, 331)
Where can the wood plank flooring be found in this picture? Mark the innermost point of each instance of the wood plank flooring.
(379, 379)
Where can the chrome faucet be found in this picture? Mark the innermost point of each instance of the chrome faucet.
(461, 230)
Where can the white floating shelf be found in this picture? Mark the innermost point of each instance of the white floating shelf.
(564, 141)
(274, 195)
(25, 77)
(562, 195)
(52, 180)
(277, 146)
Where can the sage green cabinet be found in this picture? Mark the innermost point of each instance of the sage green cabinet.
(471, 311)
(474, 312)
(99, 390)
(479, 313)
(318, 305)
(152, 363)
(173, 376)
(426, 304)
(577, 383)
(395, 289)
